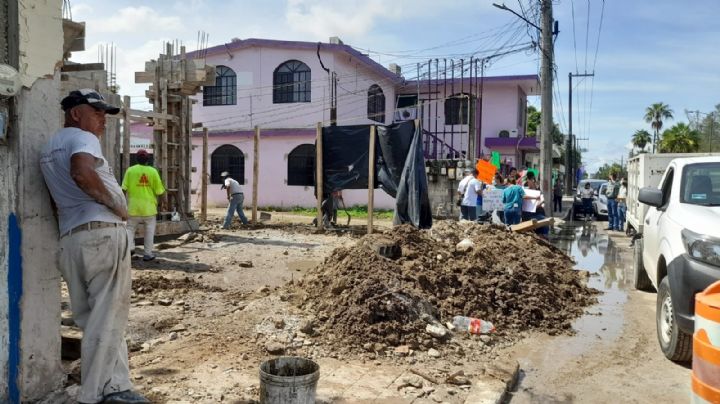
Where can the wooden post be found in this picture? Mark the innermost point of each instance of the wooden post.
(170, 186)
(204, 178)
(371, 180)
(256, 173)
(126, 134)
(319, 172)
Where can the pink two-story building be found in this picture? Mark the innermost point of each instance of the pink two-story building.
(287, 87)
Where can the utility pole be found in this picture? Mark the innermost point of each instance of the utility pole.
(569, 149)
(546, 121)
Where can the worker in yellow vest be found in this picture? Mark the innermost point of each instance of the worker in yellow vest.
(142, 186)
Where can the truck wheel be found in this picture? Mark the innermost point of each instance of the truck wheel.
(675, 344)
(641, 281)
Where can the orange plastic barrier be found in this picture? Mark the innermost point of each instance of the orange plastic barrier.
(706, 346)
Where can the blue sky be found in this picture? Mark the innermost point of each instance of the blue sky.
(649, 50)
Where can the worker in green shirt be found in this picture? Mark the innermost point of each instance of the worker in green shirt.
(142, 186)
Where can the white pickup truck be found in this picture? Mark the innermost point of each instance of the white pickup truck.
(678, 252)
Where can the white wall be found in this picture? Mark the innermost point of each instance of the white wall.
(254, 68)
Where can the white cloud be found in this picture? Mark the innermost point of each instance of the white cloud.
(141, 19)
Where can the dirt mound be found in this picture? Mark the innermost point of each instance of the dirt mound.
(517, 281)
(149, 284)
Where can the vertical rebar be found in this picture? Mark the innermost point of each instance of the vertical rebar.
(437, 106)
(452, 96)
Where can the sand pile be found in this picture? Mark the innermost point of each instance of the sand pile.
(517, 281)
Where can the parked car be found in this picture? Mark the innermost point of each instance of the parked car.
(600, 203)
(678, 252)
(578, 208)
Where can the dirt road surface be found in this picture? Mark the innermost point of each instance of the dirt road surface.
(614, 357)
(212, 307)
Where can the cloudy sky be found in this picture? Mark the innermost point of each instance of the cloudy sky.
(644, 51)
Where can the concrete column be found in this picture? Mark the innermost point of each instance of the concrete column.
(30, 365)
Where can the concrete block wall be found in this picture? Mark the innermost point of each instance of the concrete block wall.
(443, 197)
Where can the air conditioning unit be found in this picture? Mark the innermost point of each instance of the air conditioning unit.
(504, 133)
(514, 133)
(405, 114)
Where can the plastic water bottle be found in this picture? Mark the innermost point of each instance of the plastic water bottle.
(473, 325)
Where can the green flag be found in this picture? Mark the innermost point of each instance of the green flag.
(495, 159)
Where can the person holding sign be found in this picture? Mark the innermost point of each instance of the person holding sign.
(473, 188)
(512, 199)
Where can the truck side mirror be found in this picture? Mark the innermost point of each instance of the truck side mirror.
(651, 196)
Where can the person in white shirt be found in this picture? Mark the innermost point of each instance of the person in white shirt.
(235, 200)
(471, 188)
(586, 195)
(94, 256)
(621, 205)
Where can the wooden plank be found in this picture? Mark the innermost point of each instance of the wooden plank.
(144, 77)
(523, 226)
(532, 224)
(81, 67)
(126, 133)
(164, 139)
(256, 172)
(204, 178)
(151, 114)
(371, 180)
(319, 172)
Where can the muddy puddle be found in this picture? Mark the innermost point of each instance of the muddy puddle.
(608, 264)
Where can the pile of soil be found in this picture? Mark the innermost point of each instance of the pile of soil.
(149, 284)
(519, 282)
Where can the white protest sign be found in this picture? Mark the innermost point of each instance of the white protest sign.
(530, 205)
(492, 199)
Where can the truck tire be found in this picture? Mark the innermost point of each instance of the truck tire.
(674, 343)
(641, 281)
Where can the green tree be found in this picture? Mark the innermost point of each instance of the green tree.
(654, 115)
(680, 139)
(533, 121)
(603, 172)
(640, 139)
(708, 125)
(534, 118)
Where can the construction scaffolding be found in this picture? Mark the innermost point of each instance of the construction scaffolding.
(173, 79)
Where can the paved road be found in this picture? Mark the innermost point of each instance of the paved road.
(614, 356)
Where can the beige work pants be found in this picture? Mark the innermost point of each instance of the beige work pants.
(96, 266)
(149, 238)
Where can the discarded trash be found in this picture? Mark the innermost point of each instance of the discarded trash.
(473, 325)
(436, 330)
(465, 245)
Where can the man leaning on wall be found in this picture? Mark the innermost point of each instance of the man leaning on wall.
(94, 256)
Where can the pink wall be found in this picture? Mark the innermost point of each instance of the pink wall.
(273, 188)
(254, 68)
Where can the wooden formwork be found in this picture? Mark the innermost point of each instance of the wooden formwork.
(173, 79)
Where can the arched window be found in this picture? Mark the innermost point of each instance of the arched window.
(301, 165)
(376, 104)
(291, 83)
(456, 109)
(225, 88)
(227, 158)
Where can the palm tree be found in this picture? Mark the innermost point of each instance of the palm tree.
(680, 139)
(654, 115)
(640, 139)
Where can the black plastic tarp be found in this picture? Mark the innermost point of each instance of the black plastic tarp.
(394, 143)
(399, 166)
(412, 203)
(345, 157)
